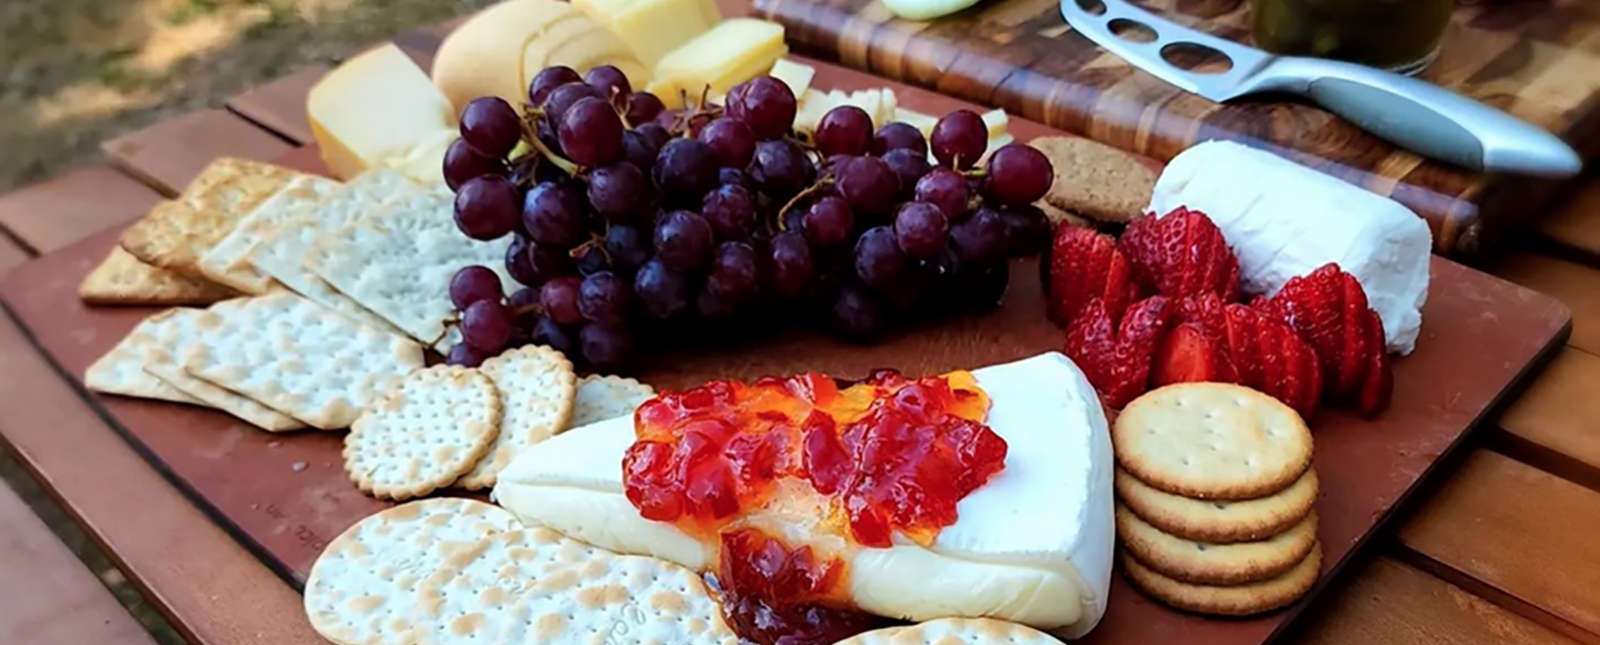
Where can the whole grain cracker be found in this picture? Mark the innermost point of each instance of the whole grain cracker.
(433, 427)
(1096, 180)
(363, 587)
(300, 358)
(121, 370)
(1240, 600)
(1214, 564)
(122, 279)
(537, 389)
(227, 263)
(1219, 521)
(954, 631)
(1212, 441)
(607, 397)
(174, 235)
(171, 342)
(1059, 216)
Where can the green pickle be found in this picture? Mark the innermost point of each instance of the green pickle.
(1400, 35)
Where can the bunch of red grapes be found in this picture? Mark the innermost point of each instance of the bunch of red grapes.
(629, 222)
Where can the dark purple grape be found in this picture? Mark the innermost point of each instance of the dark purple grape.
(619, 191)
(520, 301)
(559, 297)
(464, 355)
(790, 270)
(731, 212)
(591, 259)
(781, 169)
(657, 134)
(546, 134)
(532, 264)
(981, 239)
(490, 126)
(551, 334)
(590, 132)
(921, 229)
(474, 283)
(794, 220)
(869, 186)
(564, 97)
(462, 164)
(605, 346)
(605, 298)
(628, 247)
(731, 140)
(899, 136)
(878, 260)
(683, 240)
(828, 222)
(662, 292)
(552, 213)
(946, 189)
(910, 167)
(486, 207)
(982, 288)
(547, 80)
(609, 80)
(959, 138)
(709, 305)
(733, 177)
(835, 163)
(638, 150)
(844, 130)
(857, 314)
(733, 272)
(1018, 175)
(764, 103)
(641, 108)
(686, 169)
(486, 326)
(1027, 230)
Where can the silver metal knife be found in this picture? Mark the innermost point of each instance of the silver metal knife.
(1414, 114)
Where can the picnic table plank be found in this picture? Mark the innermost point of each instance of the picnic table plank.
(1519, 531)
(66, 208)
(11, 254)
(1575, 285)
(280, 106)
(170, 153)
(1556, 423)
(1576, 222)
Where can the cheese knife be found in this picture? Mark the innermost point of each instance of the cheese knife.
(1422, 117)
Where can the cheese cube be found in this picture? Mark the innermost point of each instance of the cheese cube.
(795, 75)
(653, 28)
(812, 105)
(916, 119)
(731, 53)
(869, 100)
(374, 107)
(996, 122)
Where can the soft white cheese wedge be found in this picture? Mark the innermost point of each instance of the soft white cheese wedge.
(1283, 220)
(1032, 546)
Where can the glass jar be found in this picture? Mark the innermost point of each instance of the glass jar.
(1397, 35)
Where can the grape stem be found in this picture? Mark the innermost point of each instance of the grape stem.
(531, 135)
(595, 242)
(825, 181)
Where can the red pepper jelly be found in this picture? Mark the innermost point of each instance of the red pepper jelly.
(843, 468)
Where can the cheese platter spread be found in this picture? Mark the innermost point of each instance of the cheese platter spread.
(737, 353)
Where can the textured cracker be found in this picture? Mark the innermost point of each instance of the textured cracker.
(1241, 600)
(174, 340)
(1214, 564)
(301, 359)
(227, 263)
(607, 397)
(122, 279)
(537, 389)
(174, 235)
(1219, 521)
(1058, 216)
(363, 587)
(1212, 441)
(424, 434)
(954, 631)
(1096, 180)
(121, 370)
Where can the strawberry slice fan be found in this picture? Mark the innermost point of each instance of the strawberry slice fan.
(1163, 305)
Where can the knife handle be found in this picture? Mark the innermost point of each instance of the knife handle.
(1417, 115)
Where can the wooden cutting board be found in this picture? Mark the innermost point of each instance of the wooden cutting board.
(1538, 59)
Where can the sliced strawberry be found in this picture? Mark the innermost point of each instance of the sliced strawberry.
(1083, 265)
(1181, 254)
(1190, 355)
(1329, 309)
(1241, 325)
(1116, 358)
(1290, 371)
(1378, 386)
(1205, 310)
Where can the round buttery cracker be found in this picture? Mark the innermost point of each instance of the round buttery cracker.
(1212, 441)
(1240, 600)
(424, 434)
(607, 397)
(1214, 564)
(537, 390)
(1219, 521)
(363, 587)
(954, 631)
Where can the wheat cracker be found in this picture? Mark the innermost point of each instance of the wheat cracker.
(1096, 180)
(174, 235)
(1212, 441)
(227, 263)
(607, 397)
(537, 391)
(121, 370)
(171, 342)
(433, 427)
(121, 279)
(1219, 521)
(1239, 600)
(1214, 564)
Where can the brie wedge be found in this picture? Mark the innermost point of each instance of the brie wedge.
(1031, 546)
(1284, 220)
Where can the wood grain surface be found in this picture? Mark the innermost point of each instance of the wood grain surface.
(1536, 59)
(280, 106)
(58, 211)
(167, 155)
(1571, 283)
(1558, 418)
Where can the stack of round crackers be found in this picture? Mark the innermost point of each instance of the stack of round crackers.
(1215, 496)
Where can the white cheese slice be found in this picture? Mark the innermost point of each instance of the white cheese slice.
(1031, 546)
(1284, 220)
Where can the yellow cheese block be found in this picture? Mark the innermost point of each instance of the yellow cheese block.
(424, 161)
(916, 120)
(812, 105)
(652, 28)
(583, 51)
(733, 52)
(996, 122)
(796, 75)
(375, 106)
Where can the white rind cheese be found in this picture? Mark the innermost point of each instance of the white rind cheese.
(1032, 546)
(1284, 220)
